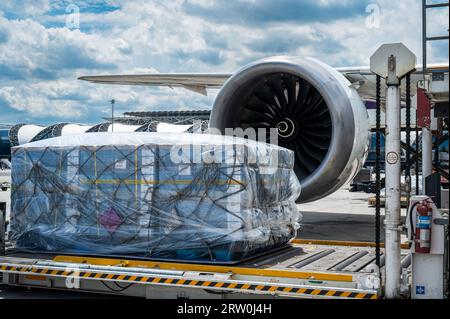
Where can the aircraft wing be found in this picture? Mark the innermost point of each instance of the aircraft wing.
(194, 82)
(361, 79)
(364, 81)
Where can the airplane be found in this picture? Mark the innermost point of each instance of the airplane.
(319, 110)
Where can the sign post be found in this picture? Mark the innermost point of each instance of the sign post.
(392, 62)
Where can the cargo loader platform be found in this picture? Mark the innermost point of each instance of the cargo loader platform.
(306, 269)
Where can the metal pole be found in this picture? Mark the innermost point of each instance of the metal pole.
(392, 169)
(392, 62)
(112, 115)
(427, 160)
(377, 174)
(436, 149)
(408, 137)
(427, 155)
(424, 38)
(416, 166)
(2, 228)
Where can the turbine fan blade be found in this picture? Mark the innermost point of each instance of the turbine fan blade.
(255, 104)
(291, 99)
(315, 153)
(311, 104)
(254, 116)
(317, 133)
(307, 163)
(263, 93)
(276, 85)
(291, 86)
(318, 142)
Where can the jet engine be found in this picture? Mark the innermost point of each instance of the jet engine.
(316, 111)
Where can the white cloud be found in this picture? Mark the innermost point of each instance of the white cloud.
(40, 58)
(26, 7)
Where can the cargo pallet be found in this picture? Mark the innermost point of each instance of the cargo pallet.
(305, 269)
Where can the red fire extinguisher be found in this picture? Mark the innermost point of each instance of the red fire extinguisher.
(423, 227)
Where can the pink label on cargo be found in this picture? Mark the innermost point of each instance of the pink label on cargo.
(110, 220)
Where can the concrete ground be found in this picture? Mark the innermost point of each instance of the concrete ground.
(342, 215)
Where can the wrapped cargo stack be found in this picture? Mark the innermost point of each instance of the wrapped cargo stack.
(190, 197)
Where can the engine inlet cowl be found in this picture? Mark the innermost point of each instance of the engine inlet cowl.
(316, 112)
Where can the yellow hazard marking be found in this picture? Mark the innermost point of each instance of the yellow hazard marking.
(36, 277)
(219, 284)
(345, 294)
(198, 283)
(208, 268)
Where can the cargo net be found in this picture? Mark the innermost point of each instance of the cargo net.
(134, 201)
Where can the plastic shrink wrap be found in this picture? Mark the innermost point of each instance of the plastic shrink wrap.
(190, 197)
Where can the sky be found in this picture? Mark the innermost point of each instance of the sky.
(45, 45)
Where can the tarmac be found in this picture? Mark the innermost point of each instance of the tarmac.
(342, 215)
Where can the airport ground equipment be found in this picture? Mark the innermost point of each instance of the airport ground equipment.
(427, 231)
(392, 62)
(307, 269)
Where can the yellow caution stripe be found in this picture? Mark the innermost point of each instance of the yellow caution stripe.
(244, 271)
(223, 285)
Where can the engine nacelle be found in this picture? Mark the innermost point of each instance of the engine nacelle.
(317, 113)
